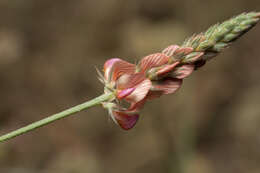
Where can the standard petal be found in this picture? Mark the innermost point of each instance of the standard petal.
(124, 120)
(169, 51)
(153, 60)
(183, 71)
(115, 67)
(108, 67)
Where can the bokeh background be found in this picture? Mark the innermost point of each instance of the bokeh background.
(48, 53)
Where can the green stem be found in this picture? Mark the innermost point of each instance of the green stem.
(96, 101)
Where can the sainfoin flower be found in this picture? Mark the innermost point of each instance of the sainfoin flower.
(155, 75)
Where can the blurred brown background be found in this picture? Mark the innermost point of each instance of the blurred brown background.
(48, 51)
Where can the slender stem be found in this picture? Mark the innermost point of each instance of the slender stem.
(96, 101)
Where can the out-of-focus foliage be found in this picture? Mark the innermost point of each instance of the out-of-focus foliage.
(48, 51)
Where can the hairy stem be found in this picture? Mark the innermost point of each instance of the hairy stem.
(52, 118)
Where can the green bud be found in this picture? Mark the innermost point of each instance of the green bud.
(249, 21)
(205, 45)
(230, 37)
(219, 46)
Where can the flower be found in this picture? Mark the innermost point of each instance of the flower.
(155, 75)
(121, 77)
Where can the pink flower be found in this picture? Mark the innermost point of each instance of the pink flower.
(121, 78)
(155, 75)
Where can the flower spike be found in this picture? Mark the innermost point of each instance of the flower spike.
(163, 73)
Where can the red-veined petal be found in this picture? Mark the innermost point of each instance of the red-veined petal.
(129, 80)
(140, 91)
(166, 69)
(153, 60)
(167, 86)
(183, 71)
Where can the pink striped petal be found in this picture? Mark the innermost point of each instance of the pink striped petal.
(183, 71)
(115, 67)
(108, 67)
(153, 60)
(124, 120)
(124, 93)
(129, 81)
(140, 91)
(166, 69)
(169, 51)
